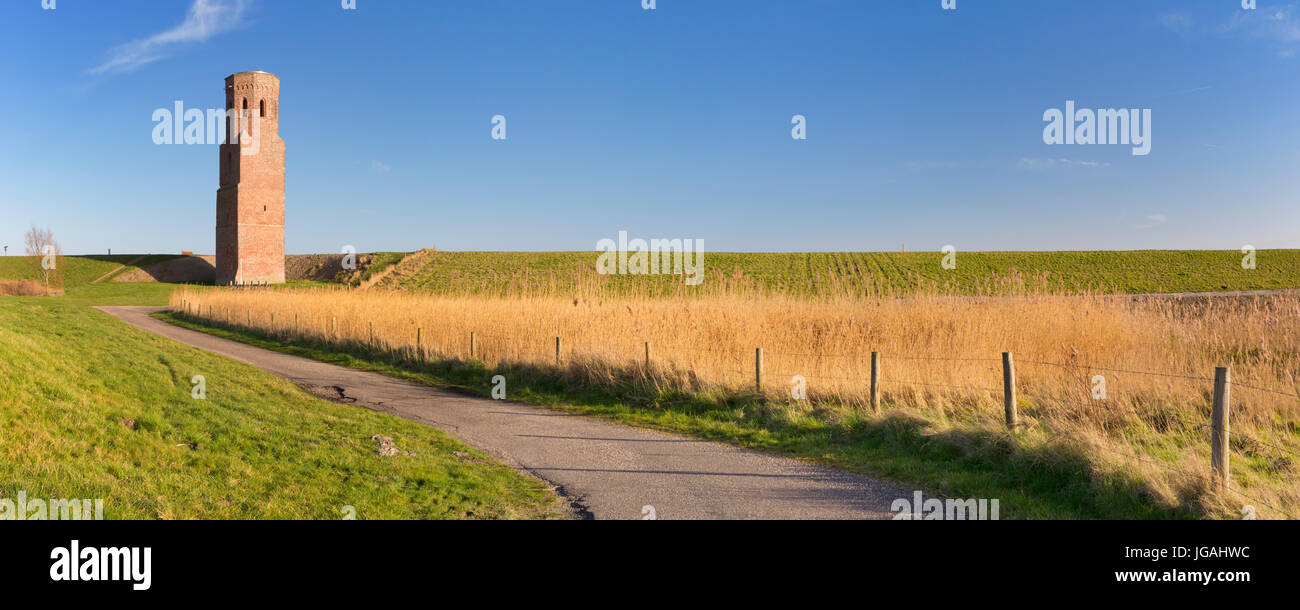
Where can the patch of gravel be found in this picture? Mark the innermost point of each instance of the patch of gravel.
(387, 448)
(323, 267)
(330, 392)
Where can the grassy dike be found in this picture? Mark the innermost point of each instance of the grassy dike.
(91, 407)
(893, 273)
(1033, 478)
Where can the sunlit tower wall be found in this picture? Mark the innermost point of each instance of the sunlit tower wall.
(250, 200)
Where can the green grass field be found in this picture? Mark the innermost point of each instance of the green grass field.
(874, 272)
(91, 407)
(259, 447)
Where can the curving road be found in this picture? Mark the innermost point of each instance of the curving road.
(607, 471)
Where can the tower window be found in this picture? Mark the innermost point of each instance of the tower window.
(261, 111)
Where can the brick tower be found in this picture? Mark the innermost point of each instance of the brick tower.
(250, 202)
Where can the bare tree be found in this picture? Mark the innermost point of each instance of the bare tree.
(42, 247)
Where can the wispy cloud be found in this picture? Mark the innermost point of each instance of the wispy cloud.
(1042, 164)
(1152, 220)
(926, 165)
(206, 18)
(1177, 21)
(379, 167)
(1278, 25)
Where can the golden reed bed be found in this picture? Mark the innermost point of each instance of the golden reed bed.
(941, 357)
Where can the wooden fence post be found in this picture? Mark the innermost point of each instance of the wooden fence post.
(471, 345)
(334, 328)
(875, 382)
(557, 351)
(372, 335)
(758, 370)
(1219, 426)
(1009, 389)
(418, 348)
(647, 355)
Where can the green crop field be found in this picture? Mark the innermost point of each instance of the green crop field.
(807, 274)
(896, 273)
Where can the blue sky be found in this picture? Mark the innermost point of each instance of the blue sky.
(924, 125)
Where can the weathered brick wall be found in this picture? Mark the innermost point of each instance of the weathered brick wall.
(250, 201)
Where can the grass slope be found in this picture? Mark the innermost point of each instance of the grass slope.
(73, 270)
(152, 259)
(892, 272)
(77, 271)
(72, 380)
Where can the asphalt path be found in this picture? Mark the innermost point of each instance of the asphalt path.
(605, 470)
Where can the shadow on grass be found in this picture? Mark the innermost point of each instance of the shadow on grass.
(1054, 480)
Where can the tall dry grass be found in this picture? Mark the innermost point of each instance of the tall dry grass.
(25, 288)
(941, 359)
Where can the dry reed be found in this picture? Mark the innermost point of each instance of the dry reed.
(941, 358)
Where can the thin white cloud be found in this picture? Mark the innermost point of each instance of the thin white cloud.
(1280, 26)
(1042, 164)
(920, 166)
(205, 19)
(1152, 220)
(380, 167)
(1284, 25)
(1177, 21)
